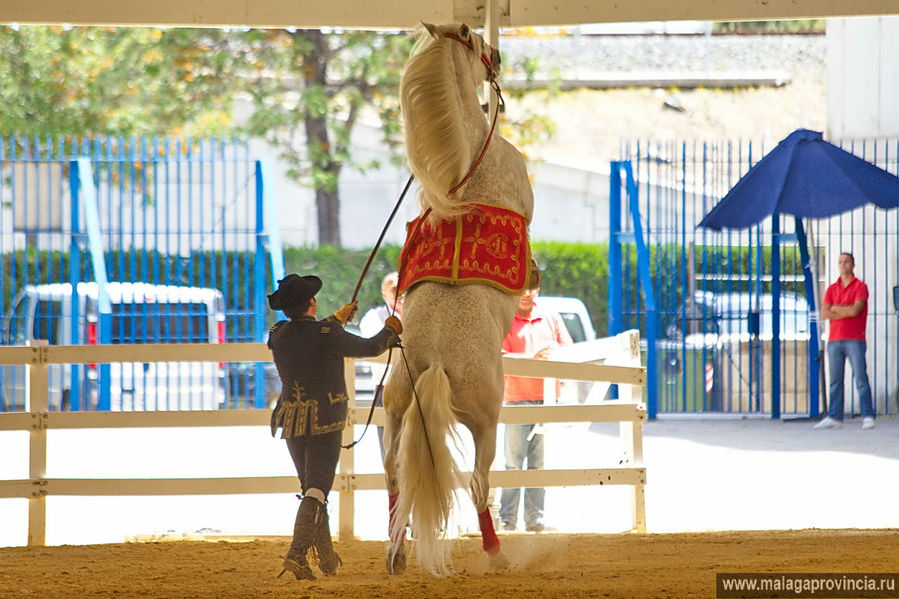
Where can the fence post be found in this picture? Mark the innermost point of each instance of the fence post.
(36, 402)
(815, 357)
(615, 275)
(95, 243)
(775, 316)
(631, 435)
(77, 238)
(259, 283)
(649, 300)
(346, 466)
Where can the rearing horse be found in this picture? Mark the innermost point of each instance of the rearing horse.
(453, 330)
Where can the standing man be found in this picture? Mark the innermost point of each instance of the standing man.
(371, 323)
(846, 306)
(312, 409)
(533, 334)
(373, 319)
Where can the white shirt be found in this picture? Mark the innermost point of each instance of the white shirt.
(373, 321)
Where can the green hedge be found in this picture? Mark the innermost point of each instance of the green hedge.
(571, 269)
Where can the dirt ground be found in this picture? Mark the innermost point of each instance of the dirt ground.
(548, 565)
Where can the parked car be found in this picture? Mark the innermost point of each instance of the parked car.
(742, 314)
(139, 313)
(574, 314)
(572, 310)
(240, 382)
(705, 349)
(366, 373)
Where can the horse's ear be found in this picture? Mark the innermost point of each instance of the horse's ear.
(464, 31)
(432, 29)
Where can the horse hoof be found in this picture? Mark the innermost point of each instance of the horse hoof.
(396, 562)
(498, 561)
(298, 567)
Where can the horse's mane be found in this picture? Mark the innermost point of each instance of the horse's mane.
(438, 152)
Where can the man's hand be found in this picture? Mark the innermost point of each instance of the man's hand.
(394, 323)
(543, 354)
(346, 313)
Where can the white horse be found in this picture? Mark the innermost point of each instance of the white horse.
(452, 332)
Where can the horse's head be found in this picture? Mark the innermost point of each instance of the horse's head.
(480, 51)
(445, 126)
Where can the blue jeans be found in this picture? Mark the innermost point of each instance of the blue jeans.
(837, 352)
(523, 442)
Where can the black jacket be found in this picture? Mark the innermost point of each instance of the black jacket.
(309, 356)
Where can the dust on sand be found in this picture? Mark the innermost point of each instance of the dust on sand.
(547, 565)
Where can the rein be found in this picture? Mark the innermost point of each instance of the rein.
(379, 389)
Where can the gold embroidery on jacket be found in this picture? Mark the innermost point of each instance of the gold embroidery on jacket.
(293, 414)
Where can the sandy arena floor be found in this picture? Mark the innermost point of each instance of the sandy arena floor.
(832, 494)
(549, 565)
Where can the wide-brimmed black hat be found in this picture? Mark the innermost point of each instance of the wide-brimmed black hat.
(294, 289)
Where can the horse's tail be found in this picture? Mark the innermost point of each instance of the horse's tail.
(428, 472)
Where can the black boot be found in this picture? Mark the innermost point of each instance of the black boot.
(328, 560)
(303, 532)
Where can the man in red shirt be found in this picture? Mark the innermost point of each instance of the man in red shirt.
(533, 334)
(846, 306)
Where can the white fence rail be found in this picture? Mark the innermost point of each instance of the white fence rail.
(615, 352)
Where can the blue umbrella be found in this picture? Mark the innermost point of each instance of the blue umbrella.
(807, 177)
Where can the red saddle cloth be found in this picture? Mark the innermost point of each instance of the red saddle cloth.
(487, 245)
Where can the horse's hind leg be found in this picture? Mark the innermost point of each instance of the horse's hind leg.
(485, 452)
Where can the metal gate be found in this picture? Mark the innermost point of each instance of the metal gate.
(721, 343)
(182, 217)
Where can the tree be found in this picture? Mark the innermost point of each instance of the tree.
(309, 88)
(81, 81)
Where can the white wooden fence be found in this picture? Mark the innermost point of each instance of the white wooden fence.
(620, 356)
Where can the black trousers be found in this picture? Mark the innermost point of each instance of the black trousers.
(315, 458)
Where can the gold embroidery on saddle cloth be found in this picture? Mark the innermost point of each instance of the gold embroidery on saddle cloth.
(296, 412)
(487, 245)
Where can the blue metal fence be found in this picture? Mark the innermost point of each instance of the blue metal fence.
(723, 344)
(174, 214)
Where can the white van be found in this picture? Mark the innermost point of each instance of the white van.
(574, 314)
(580, 326)
(140, 313)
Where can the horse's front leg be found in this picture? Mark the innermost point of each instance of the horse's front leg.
(396, 548)
(485, 452)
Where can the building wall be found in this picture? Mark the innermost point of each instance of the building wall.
(862, 77)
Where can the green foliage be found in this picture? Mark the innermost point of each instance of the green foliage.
(569, 269)
(75, 81)
(529, 127)
(340, 269)
(318, 84)
(572, 269)
(578, 270)
(308, 88)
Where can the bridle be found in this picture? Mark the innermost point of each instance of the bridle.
(489, 61)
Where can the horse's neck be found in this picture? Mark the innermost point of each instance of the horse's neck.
(476, 127)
